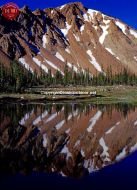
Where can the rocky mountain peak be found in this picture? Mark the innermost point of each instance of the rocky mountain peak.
(85, 38)
(25, 9)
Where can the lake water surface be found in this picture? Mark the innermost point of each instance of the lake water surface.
(68, 145)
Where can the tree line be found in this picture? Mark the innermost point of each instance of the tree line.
(17, 78)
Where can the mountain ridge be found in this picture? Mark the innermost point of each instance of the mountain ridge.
(70, 34)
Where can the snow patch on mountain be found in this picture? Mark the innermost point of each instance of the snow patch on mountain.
(45, 41)
(106, 21)
(67, 50)
(77, 38)
(89, 15)
(121, 26)
(72, 66)
(59, 56)
(110, 51)
(135, 57)
(62, 7)
(42, 66)
(82, 28)
(133, 32)
(93, 61)
(53, 66)
(65, 30)
(25, 64)
(104, 34)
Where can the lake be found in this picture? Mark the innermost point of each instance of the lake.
(68, 145)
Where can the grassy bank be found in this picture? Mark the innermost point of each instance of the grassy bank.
(105, 94)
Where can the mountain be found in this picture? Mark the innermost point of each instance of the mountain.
(71, 34)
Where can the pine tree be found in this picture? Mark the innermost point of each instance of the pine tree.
(66, 75)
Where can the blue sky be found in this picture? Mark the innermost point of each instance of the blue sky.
(126, 10)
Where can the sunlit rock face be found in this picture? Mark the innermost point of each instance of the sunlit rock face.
(69, 139)
(70, 34)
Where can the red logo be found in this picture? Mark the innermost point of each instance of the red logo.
(10, 11)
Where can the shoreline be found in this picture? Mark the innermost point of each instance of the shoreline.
(104, 94)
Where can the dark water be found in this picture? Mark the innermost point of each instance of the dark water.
(68, 146)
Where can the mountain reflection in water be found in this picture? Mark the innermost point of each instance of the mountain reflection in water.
(71, 139)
